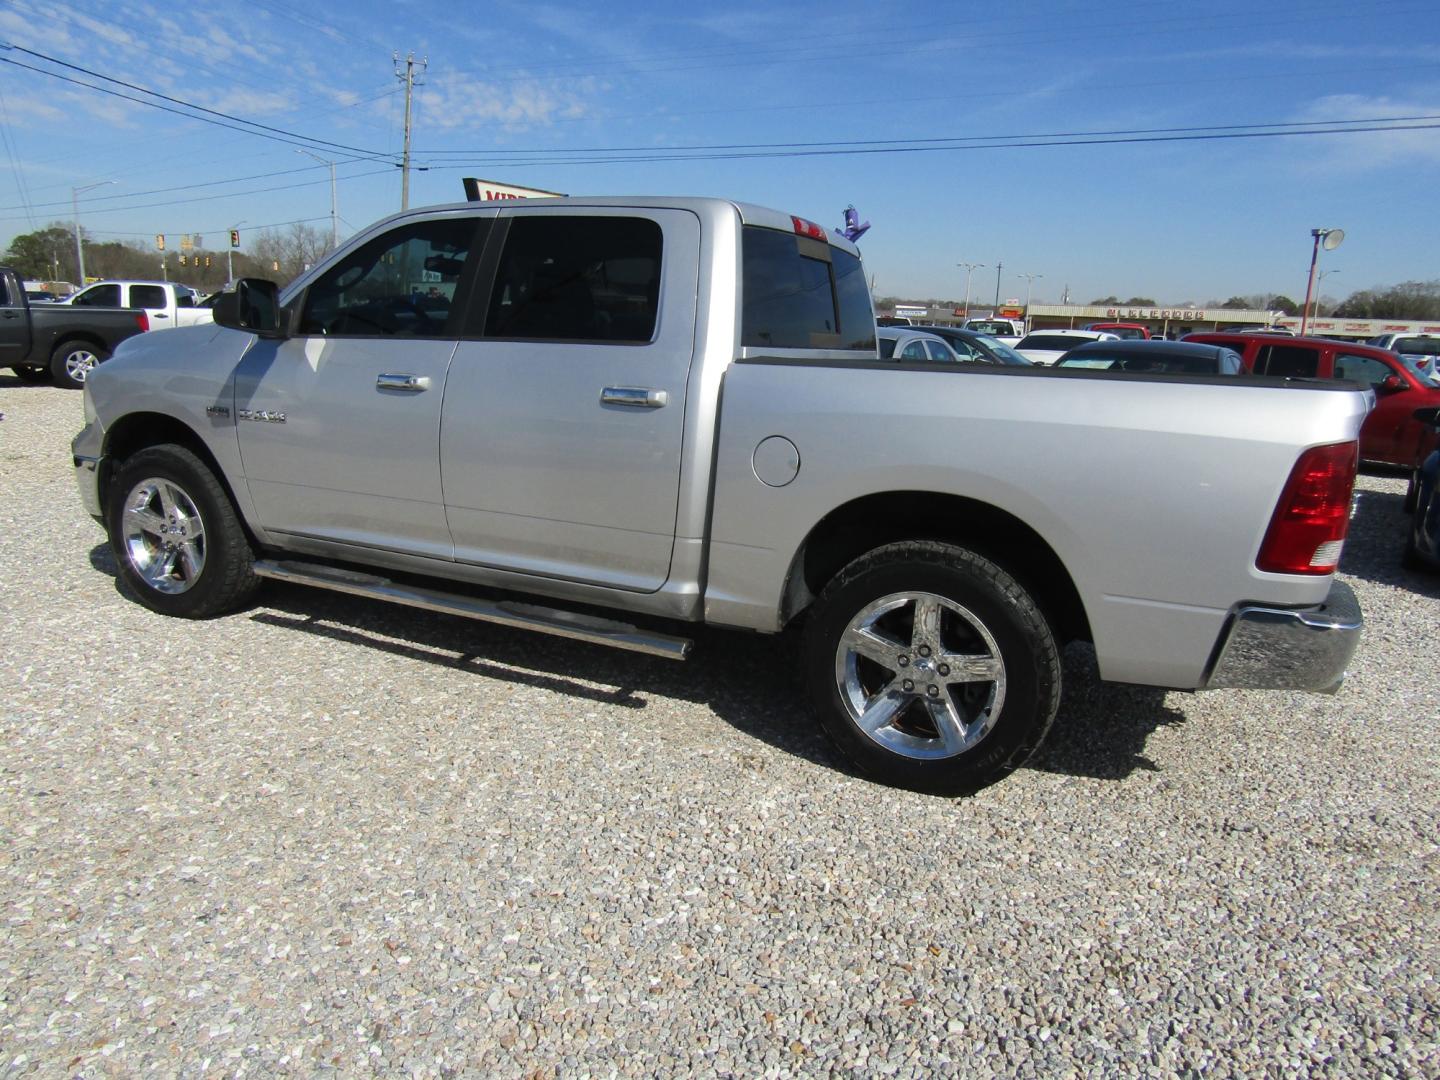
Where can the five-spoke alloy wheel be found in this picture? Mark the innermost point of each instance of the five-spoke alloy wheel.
(164, 535)
(931, 667)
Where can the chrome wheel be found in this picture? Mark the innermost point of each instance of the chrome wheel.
(79, 364)
(920, 675)
(163, 537)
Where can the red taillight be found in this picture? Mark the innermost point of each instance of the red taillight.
(809, 228)
(142, 320)
(1308, 528)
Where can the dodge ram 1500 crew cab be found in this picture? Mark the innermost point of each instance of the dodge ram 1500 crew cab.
(675, 408)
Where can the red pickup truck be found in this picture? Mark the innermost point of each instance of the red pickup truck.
(1391, 434)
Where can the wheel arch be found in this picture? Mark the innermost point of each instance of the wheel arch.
(79, 337)
(142, 430)
(866, 523)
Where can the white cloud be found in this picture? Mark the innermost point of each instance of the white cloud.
(1396, 145)
(466, 105)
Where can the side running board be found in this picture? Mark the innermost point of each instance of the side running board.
(567, 624)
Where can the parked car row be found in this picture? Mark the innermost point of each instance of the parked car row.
(1422, 541)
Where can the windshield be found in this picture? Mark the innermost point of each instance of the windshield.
(1427, 378)
(1004, 353)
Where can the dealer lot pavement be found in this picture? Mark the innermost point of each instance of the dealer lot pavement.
(325, 833)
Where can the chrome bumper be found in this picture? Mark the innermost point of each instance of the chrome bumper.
(1265, 648)
(87, 478)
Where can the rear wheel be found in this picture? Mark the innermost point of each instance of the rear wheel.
(176, 537)
(931, 668)
(1412, 492)
(72, 362)
(32, 374)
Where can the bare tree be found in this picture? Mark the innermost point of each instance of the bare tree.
(288, 254)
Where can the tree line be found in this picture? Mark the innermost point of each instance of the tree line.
(281, 254)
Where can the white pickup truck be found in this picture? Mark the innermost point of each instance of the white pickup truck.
(672, 411)
(167, 303)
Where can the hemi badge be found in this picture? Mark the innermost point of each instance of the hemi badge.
(264, 416)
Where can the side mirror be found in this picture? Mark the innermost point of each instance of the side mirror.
(1391, 383)
(254, 307)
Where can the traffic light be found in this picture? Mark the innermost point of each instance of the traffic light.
(182, 260)
(234, 238)
(160, 241)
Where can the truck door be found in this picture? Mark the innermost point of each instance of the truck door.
(561, 437)
(339, 424)
(14, 322)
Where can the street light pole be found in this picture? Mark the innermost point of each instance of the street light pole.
(998, 267)
(75, 193)
(1029, 281)
(334, 212)
(1320, 285)
(969, 268)
(1330, 238)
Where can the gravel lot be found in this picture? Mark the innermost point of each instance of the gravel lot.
(327, 834)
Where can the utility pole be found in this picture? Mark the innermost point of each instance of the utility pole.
(75, 193)
(408, 78)
(998, 267)
(968, 268)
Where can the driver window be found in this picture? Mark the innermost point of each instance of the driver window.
(938, 351)
(914, 351)
(401, 284)
(1361, 369)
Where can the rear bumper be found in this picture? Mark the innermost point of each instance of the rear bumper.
(1266, 648)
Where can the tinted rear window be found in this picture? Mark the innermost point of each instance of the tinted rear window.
(1418, 346)
(1291, 361)
(1056, 342)
(147, 296)
(803, 294)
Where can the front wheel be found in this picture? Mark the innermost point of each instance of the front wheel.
(931, 668)
(72, 362)
(176, 537)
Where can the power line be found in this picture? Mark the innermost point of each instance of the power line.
(227, 195)
(849, 151)
(1299, 124)
(289, 136)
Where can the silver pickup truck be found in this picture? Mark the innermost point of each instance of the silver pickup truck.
(632, 414)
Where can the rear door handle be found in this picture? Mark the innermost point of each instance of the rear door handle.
(637, 397)
(410, 383)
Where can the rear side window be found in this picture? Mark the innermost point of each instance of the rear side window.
(1288, 361)
(801, 293)
(147, 296)
(1418, 346)
(564, 278)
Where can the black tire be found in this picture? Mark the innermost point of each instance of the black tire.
(32, 374)
(72, 361)
(211, 567)
(984, 615)
(1412, 492)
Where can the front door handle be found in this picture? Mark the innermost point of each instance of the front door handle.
(637, 397)
(410, 383)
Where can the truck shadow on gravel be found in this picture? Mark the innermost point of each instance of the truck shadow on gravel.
(1377, 538)
(747, 680)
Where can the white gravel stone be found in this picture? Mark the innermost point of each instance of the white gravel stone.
(326, 835)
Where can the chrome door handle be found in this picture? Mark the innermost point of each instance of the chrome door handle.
(411, 383)
(637, 397)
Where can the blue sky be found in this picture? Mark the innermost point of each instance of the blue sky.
(548, 95)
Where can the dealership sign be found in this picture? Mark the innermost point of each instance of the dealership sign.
(1193, 314)
(489, 190)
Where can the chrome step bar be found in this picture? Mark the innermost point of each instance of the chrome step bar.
(566, 624)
